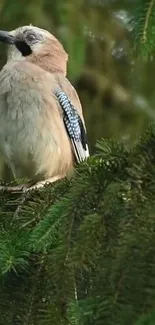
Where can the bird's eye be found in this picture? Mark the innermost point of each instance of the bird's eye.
(31, 37)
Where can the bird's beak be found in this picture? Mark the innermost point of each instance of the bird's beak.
(6, 37)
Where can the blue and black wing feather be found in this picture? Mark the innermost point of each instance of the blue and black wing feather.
(74, 126)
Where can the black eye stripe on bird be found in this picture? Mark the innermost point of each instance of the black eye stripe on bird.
(24, 48)
(49, 144)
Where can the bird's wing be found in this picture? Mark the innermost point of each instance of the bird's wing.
(74, 125)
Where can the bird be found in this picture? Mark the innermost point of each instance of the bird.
(42, 127)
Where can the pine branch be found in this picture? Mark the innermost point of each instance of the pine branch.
(147, 319)
(144, 27)
(82, 250)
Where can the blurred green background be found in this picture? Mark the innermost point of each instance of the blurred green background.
(115, 87)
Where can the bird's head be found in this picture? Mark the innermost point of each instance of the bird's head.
(35, 45)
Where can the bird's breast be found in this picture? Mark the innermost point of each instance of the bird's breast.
(33, 139)
(31, 143)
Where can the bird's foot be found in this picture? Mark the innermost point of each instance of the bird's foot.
(45, 182)
(16, 188)
(29, 185)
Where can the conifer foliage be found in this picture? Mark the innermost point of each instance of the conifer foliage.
(144, 27)
(82, 251)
